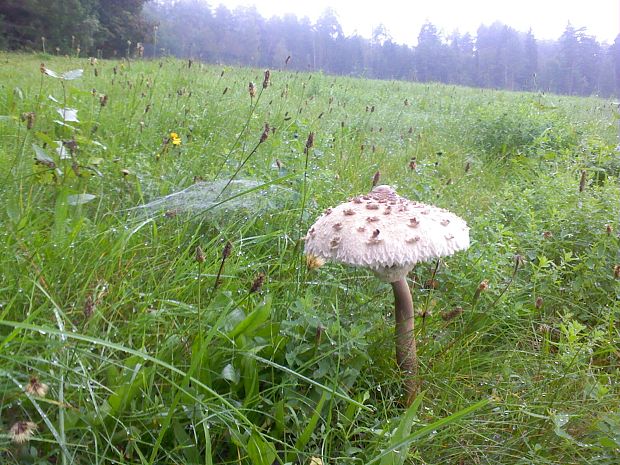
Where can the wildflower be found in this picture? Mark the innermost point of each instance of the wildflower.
(36, 388)
(266, 80)
(450, 315)
(29, 118)
(265, 133)
(483, 286)
(582, 181)
(175, 139)
(309, 142)
(608, 229)
(313, 262)
(252, 89)
(375, 179)
(22, 431)
(227, 250)
(200, 255)
(258, 282)
(539, 303)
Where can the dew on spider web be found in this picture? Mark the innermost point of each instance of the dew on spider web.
(220, 196)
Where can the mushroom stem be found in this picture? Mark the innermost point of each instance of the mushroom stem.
(405, 336)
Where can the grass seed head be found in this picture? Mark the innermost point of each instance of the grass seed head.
(252, 89)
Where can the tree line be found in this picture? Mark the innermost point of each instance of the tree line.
(497, 56)
(86, 27)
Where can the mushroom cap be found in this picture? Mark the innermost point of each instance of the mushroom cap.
(386, 233)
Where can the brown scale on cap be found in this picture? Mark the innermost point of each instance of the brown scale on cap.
(361, 229)
(372, 206)
(445, 222)
(374, 240)
(412, 240)
(414, 222)
(372, 219)
(387, 210)
(328, 211)
(349, 212)
(337, 226)
(335, 242)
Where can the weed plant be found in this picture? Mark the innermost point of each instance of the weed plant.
(195, 333)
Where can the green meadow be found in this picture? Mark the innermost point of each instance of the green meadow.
(142, 327)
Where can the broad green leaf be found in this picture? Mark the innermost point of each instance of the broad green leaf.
(186, 443)
(259, 316)
(261, 452)
(397, 456)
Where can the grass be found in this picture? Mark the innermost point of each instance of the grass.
(152, 356)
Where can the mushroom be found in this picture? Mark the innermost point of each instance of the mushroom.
(389, 245)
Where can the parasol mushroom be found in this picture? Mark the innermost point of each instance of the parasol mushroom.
(389, 234)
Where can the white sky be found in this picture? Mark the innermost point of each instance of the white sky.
(403, 18)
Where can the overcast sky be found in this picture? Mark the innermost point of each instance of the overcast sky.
(403, 18)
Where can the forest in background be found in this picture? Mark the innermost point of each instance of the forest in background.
(497, 56)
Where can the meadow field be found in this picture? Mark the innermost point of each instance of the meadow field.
(141, 327)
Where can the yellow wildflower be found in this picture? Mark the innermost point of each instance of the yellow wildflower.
(175, 139)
